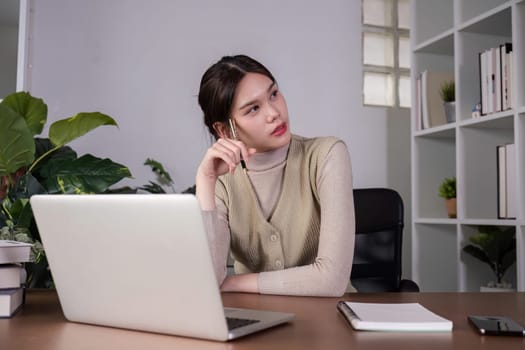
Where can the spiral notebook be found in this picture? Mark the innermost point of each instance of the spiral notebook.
(404, 317)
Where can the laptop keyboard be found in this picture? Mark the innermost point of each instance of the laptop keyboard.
(238, 322)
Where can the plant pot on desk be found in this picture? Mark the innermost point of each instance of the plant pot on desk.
(451, 205)
(497, 287)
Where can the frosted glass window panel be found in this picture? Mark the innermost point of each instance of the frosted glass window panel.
(377, 12)
(404, 52)
(378, 49)
(403, 14)
(405, 97)
(378, 89)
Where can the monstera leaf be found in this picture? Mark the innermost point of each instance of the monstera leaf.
(17, 147)
(32, 109)
(87, 174)
(64, 131)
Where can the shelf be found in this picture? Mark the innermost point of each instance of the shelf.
(466, 148)
(494, 22)
(442, 131)
(500, 120)
(469, 9)
(435, 221)
(489, 222)
(442, 44)
(433, 17)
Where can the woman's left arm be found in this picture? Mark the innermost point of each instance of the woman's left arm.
(329, 274)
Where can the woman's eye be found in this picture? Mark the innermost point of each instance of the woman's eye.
(274, 93)
(253, 109)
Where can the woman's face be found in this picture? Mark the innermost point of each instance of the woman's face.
(260, 113)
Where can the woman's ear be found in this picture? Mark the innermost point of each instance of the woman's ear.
(222, 129)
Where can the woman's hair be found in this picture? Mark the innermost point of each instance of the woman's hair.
(218, 85)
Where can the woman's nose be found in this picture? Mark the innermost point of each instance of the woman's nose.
(271, 113)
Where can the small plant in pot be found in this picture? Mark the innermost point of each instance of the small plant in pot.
(447, 92)
(495, 246)
(447, 190)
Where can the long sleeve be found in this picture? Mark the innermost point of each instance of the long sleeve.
(218, 240)
(329, 274)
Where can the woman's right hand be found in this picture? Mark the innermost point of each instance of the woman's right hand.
(222, 157)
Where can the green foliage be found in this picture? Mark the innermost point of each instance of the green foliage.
(447, 189)
(447, 91)
(30, 165)
(495, 246)
(163, 178)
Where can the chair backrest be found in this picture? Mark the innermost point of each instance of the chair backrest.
(378, 245)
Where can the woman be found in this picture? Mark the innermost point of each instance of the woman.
(288, 215)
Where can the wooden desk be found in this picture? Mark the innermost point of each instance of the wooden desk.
(318, 325)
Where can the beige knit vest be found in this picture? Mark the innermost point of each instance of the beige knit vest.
(290, 236)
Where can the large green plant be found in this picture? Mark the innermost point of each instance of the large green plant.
(495, 246)
(31, 165)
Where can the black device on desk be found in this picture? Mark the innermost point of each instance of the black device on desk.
(497, 325)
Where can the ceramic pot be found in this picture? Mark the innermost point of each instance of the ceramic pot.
(451, 208)
(450, 111)
(496, 289)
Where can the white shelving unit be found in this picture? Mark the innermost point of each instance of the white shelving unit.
(448, 35)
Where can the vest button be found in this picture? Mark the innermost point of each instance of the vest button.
(278, 263)
(274, 238)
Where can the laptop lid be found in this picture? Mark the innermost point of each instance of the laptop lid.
(135, 261)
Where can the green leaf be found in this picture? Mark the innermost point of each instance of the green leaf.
(477, 253)
(43, 146)
(87, 174)
(64, 131)
(17, 147)
(153, 187)
(158, 169)
(32, 109)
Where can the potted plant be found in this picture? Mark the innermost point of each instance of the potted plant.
(495, 246)
(447, 190)
(31, 165)
(447, 92)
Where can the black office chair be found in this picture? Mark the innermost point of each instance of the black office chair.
(378, 243)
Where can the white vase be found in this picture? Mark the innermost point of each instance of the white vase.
(496, 289)
(450, 111)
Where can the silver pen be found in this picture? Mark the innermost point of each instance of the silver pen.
(234, 133)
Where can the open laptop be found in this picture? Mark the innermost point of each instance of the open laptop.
(139, 262)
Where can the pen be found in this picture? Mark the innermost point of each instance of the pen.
(234, 133)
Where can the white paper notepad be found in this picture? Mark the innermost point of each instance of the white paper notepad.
(392, 317)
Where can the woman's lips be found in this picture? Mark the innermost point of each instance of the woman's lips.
(281, 129)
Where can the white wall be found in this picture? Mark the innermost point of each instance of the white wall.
(141, 62)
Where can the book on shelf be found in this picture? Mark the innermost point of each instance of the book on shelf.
(11, 276)
(432, 106)
(10, 301)
(392, 317)
(495, 76)
(506, 69)
(502, 191)
(506, 181)
(419, 124)
(14, 252)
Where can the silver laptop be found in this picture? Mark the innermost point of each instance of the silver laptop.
(139, 262)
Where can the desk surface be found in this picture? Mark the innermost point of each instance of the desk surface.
(41, 325)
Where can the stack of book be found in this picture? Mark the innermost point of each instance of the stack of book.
(507, 201)
(12, 275)
(495, 72)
